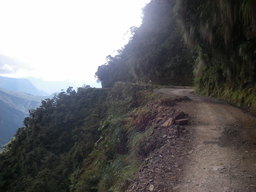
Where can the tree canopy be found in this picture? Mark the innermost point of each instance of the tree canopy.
(155, 53)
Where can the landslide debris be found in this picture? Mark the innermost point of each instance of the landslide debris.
(165, 151)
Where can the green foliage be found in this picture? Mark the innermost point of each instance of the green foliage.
(92, 139)
(113, 162)
(14, 108)
(77, 141)
(156, 52)
(54, 142)
(223, 34)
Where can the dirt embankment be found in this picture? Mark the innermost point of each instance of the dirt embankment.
(215, 152)
(165, 153)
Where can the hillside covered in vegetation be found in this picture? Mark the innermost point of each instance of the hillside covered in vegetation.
(85, 140)
(155, 53)
(93, 139)
(210, 44)
(14, 107)
(223, 35)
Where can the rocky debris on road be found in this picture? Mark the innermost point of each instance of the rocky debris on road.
(165, 151)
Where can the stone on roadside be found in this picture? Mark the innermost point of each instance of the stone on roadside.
(168, 122)
(151, 187)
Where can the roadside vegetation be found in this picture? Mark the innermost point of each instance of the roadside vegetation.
(95, 139)
(223, 36)
(84, 140)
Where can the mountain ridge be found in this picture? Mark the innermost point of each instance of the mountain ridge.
(14, 107)
(20, 85)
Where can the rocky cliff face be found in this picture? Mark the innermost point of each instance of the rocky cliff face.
(223, 35)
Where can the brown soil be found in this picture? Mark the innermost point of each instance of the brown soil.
(166, 148)
(217, 152)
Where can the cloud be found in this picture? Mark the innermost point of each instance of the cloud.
(9, 65)
(6, 68)
(67, 43)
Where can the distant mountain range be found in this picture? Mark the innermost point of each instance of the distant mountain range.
(51, 87)
(14, 108)
(20, 85)
(17, 96)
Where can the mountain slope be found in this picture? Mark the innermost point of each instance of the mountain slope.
(96, 140)
(155, 54)
(71, 141)
(223, 36)
(19, 85)
(13, 109)
(10, 120)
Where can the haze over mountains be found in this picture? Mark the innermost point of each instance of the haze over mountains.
(51, 87)
(36, 86)
(126, 134)
(20, 85)
(14, 108)
(17, 97)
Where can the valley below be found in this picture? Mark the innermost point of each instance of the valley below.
(176, 111)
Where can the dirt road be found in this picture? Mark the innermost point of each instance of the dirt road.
(223, 155)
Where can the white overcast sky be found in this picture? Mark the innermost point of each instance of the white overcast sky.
(64, 39)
